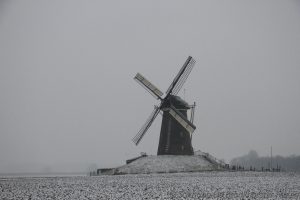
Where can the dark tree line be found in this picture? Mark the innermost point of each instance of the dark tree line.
(253, 160)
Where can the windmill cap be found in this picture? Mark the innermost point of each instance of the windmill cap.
(178, 102)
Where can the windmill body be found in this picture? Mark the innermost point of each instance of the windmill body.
(174, 138)
(176, 129)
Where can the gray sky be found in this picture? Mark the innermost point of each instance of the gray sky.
(68, 98)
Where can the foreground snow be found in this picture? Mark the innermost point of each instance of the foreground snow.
(204, 185)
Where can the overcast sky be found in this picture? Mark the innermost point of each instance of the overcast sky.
(68, 98)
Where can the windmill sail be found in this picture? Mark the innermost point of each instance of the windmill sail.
(182, 120)
(146, 126)
(181, 77)
(148, 86)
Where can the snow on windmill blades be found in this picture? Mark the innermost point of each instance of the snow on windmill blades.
(148, 86)
(182, 120)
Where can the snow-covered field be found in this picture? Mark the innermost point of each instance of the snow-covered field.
(203, 185)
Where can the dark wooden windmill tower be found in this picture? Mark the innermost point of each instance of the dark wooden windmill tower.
(176, 129)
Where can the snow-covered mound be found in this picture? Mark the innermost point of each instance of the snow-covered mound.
(167, 164)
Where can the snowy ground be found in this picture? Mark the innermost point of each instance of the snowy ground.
(166, 164)
(203, 185)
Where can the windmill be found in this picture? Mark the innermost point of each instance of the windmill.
(176, 129)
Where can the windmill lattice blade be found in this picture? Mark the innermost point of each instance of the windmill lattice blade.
(183, 77)
(146, 126)
(152, 89)
(177, 82)
(182, 120)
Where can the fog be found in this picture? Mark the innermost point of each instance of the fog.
(253, 161)
(68, 99)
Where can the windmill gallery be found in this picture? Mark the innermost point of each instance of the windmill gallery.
(175, 152)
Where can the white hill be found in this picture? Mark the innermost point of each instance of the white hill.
(167, 164)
